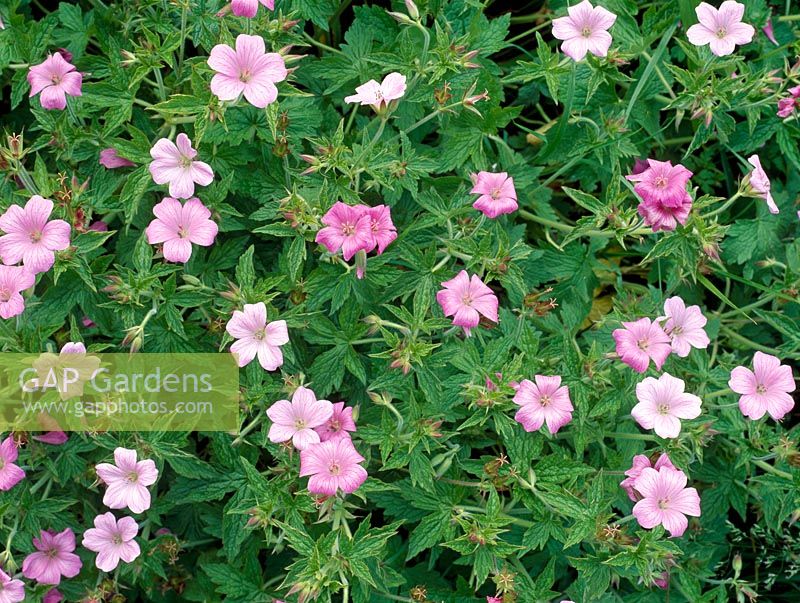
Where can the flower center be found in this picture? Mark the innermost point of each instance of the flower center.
(183, 232)
(761, 389)
(545, 400)
(51, 553)
(132, 477)
(663, 503)
(660, 182)
(56, 79)
(336, 425)
(677, 330)
(245, 76)
(348, 229)
(721, 32)
(260, 334)
(643, 344)
(335, 468)
(662, 409)
(116, 539)
(586, 32)
(5, 295)
(467, 299)
(2, 463)
(186, 162)
(299, 424)
(495, 193)
(35, 236)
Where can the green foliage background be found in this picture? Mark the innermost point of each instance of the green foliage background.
(460, 499)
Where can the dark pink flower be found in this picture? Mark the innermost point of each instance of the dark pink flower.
(770, 32)
(332, 466)
(10, 474)
(546, 401)
(380, 95)
(662, 183)
(466, 299)
(178, 226)
(684, 326)
(54, 79)
(338, 426)
(786, 107)
(497, 193)
(52, 596)
(759, 183)
(641, 461)
(382, 228)
(111, 160)
(765, 389)
(347, 228)
(641, 341)
(54, 557)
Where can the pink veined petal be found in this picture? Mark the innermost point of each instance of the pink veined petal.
(223, 59)
(647, 512)
(127, 527)
(55, 235)
(158, 232)
(53, 97)
(260, 92)
(269, 357)
(13, 247)
(753, 406)
(128, 551)
(599, 43)
(148, 473)
(245, 350)
(226, 87)
(686, 406)
(487, 305)
(276, 333)
(602, 18)
(138, 498)
(109, 473)
(280, 433)
(202, 173)
(37, 258)
(184, 146)
(674, 522)
(530, 416)
(393, 86)
(687, 501)
(39, 79)
(575, 48)
(166, 150)
(644, 414)
(177, 250)
(271, 67)
(203, 233)
(581, 13)
(707, 15)
(466, 317)
(741, 33)
(648, 482)
(244, 8)
(71, 83)
(700, 35)
(722, 46)
(666, 426)
(281, 412)
(249, 49)
(304, 438)
(182, 186)
(730, 12)
(107, 560)
(779, 405)
(564, 28)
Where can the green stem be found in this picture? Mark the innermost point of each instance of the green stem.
(250, 427)
(725, 205)
(752, 344)
(631, 436)
(771, 469)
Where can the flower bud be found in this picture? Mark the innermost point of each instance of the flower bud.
(412, 9)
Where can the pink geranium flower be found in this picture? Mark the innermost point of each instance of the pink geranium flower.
(333, 466)
(640, 462)
(379, 95)
(759, 183)
(248, 8)
(53, 558)
(31, 237)
(13, 280)
(663, 403)
(769, 31)
(11, 591)
(382, 229)
(54, 79)
(465, 299)
(666, 500)
(110, 159)
(722, 29)
(127, 480)
(178, 226)
(175, 164)
(786, 106)
(584, 30)
(684, 326)
(112, 540)
(497, 193)
(10, 474)
(298, 419)
(338, 426)
(665, 200)
(249, 70)
(765, 389)
(641, 341)
(347, 228)
(546, 401)
(257, 337)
